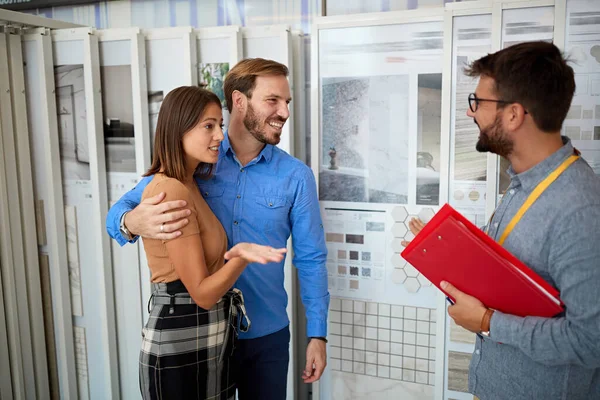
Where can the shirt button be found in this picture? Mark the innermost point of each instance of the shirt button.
(206, 193)
(270, 204)
(238, 196)
(477, 352)
(235, 222)
(512, 191)
(241, 169)
(495, 224)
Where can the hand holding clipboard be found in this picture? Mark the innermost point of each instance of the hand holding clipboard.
(483, 274)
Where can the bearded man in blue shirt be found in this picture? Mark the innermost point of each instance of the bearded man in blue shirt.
(261, 195)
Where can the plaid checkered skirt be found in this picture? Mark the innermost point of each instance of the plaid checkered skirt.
(186, 350)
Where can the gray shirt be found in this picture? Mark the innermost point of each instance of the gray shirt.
(559, 238)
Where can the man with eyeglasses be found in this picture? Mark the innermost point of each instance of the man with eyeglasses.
(521, 101)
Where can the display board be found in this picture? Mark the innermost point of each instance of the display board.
(301, 103)
(469, 36)
(471, 39)
(378, 153)
(127, 149)
(16, 328)
(84, 186)
(170, 62)
(582, 44)
(28, 277)
(49, 212)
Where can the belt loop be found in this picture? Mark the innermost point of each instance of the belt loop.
(149, 302)
(172, 304)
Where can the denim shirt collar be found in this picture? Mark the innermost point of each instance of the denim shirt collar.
(533, 176)
(266, 153)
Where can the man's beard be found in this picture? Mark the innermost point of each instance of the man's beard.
(493, 139)
(253, 124)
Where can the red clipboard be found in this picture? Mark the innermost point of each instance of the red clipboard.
(451, 248)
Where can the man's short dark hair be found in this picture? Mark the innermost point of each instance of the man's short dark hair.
(534, 74)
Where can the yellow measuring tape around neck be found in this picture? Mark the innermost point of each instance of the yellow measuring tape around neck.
(539, 189)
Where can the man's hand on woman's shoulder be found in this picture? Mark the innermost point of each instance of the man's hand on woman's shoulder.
(156, 220)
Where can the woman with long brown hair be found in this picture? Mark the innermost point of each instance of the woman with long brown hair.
(190, 334)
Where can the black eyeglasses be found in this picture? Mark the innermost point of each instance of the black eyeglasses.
(474, 102)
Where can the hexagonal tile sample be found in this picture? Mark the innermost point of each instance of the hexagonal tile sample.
(423, 281)
(412, 285)
(408, 218)
(397, 245)
(411, 271)
(398, 276)
(399, 213)
(399, 229)
(397, 261)
(426, 214)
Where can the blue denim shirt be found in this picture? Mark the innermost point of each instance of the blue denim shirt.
(264, 202)
(559, 238)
